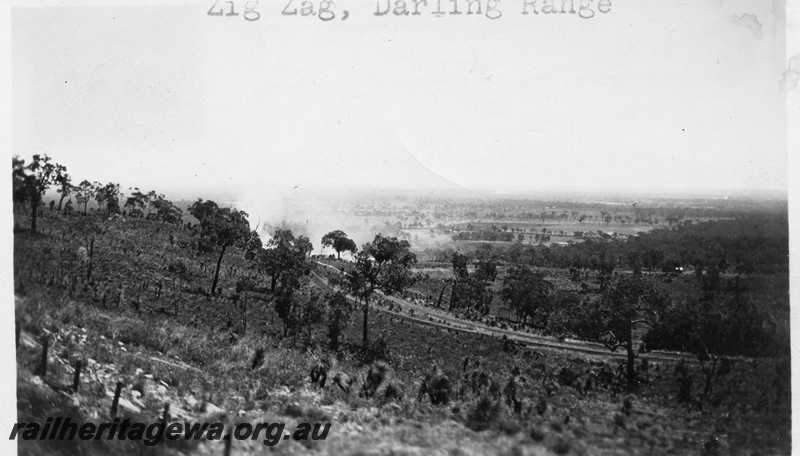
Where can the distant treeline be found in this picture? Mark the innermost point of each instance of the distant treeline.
(748, 243)
(485, 235)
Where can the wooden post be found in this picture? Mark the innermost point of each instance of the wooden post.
(43, 362)
(165, 415)
(228, 437)
(115, 403)
(76, 382)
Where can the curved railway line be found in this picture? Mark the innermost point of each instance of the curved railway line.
(425, 316)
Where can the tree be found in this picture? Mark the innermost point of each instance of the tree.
(89, 229)
(713, 330)
(382, 265)
(340, 242)
(312, 309)
(223, 227)
(528, 293)
(284, 258)
(107, 196)
(252, 246)
(182, 274)
(85, 192)
(471, 291)
(65, 187)
(166, 211)
(136, 203)
(244, 287)
(611, 317)
(285, 308)
(340, 310)
(19, 179)
(36, 178)
(152, 196)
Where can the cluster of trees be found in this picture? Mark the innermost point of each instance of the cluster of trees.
(220, 229)
(714, 329)
(484, 235)
(340, 242)
(610, 317)
(750, 243)
(707, 315)
(430, 212)
(32, 180)
(157, 207)
(529, 294)
(382, 265)
(471, 291)
(708, 321)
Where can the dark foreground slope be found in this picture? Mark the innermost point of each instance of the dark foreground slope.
(123, 326)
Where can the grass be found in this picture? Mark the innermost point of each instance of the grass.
(208, 366)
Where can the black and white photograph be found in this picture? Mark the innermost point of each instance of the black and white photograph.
(399, 227)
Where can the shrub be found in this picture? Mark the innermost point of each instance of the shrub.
(561, 446)
(509, 426)
(258, 357)
(536, 434)
(377, 373)
(495, 389)
(684, 382)
(627, 406)
(485, 412)
(567, 376)
(541, 406)
(619, 420)
(294, 410)
(134, 332)
(392, 393)
(437, 386)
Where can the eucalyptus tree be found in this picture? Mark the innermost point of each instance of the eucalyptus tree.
(340, 242)
(222, 227)
(382, 265)
(33, 180)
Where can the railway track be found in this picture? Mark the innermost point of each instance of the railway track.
(430, 317)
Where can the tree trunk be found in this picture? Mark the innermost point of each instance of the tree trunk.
(91, 252)
(439, 303)
(274, 282)
(244, 314)
(631, 369)
(178, 301)
(216, 273)
(710, 371)
(61, 201)
(365, 341)
(34, 213)
(453, 296)
(338, 255)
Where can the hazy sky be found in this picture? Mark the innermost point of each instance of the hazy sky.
(652, 94)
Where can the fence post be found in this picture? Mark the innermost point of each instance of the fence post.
(43, 362)
(115, 403)
(228, 441)
(77, 379)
